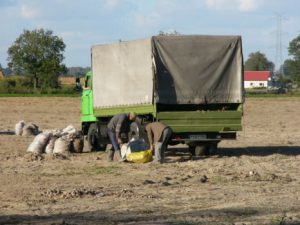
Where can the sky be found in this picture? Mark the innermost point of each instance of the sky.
(84, 23)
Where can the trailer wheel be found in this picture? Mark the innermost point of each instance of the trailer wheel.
(93, 137)
(102, 141)
(199, 150)
(213, 148)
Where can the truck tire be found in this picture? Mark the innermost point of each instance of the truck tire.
(103, 137)
(213, 148)
(93, 137)
(199, 150)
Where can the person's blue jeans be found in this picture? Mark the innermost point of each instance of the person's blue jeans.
(113, 139)
(161, 146)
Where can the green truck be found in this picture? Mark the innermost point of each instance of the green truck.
(192, 83)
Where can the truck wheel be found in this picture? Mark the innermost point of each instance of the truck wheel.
(213, 149)
(103, 137)
(93, 137)
(201, 150)
(192, 150)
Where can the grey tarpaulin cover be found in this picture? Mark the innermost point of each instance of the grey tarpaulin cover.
(198, 69)
(191, 69)
(122, 74)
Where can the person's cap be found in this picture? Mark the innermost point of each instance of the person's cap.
(132, 115)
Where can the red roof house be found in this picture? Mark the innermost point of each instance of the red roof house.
(256, 78)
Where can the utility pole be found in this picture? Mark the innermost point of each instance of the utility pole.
(278, 56)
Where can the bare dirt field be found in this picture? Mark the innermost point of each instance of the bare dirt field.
(253, 180)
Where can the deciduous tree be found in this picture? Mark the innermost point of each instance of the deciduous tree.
(38, 54)
(257, 61)
(293, 64)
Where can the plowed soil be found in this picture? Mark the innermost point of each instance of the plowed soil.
(252, 180)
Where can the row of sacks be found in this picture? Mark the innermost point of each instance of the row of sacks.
(26, 129)
(58, 141)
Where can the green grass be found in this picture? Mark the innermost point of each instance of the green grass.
(40, 95)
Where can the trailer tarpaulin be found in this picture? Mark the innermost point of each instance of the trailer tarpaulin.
(198, 69)
(122, 74)
(192, 69)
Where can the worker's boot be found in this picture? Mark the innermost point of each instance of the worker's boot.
(117, 156)
(157, 157)
(110, 155)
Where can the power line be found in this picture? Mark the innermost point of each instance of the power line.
(279, 33)
(278, 56)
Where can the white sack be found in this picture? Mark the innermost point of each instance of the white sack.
(56, 132)
(39, 143)
(124, 151)
(19, 127)
(135, 145)
(62, 145)
(50, 146)
(30, 129)
(69, 130)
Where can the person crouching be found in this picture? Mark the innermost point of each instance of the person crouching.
(118, 124)
(158, 135)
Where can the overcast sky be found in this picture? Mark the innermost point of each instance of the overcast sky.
(83, 23)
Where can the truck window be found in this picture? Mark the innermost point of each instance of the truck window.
(87, 83)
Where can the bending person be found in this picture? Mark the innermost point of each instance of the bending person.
(159, 135)
(118, 124)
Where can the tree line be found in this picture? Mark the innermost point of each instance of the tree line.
(38, 56)
(75, 71)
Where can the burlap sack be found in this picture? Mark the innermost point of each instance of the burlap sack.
(69, 130)
(77, 145)
(50, 146)
(62, 145)
(30, 129)
(77, 141)
(55, 132)
(19, 127)
(39, 143)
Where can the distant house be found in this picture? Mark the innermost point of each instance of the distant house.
(253, 79)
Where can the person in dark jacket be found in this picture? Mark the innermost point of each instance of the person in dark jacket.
(118, 124)
(158, 135)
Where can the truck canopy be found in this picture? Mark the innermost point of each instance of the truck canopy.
(192, 69)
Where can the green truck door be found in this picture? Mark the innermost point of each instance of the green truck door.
(86, 96)
(87, 113)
